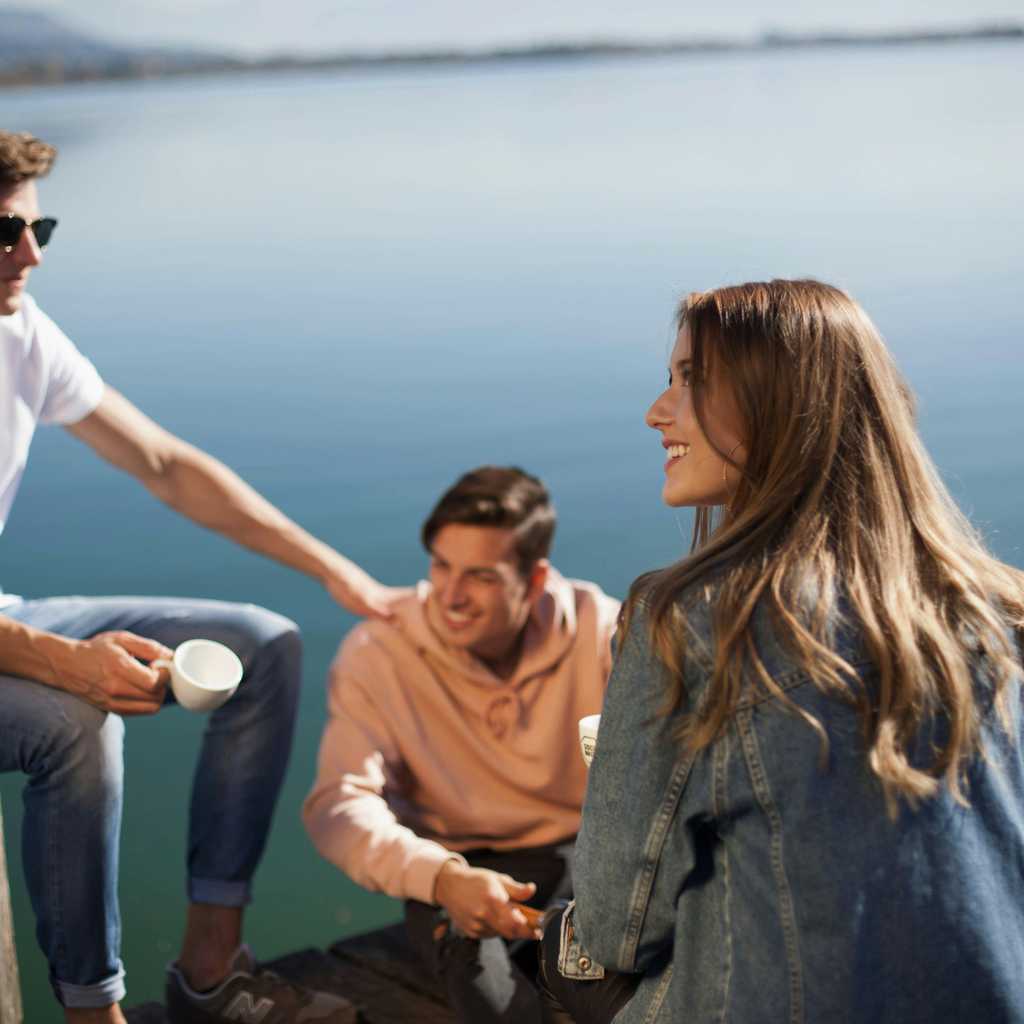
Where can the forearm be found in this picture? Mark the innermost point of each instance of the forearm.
(359, 834)
(212, 495)
(33, 653)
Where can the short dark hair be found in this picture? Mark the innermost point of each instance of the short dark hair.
(23, 157)
(500, 496)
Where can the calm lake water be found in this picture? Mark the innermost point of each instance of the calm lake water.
(352, 287)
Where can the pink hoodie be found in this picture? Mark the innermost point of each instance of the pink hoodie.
(426, 751)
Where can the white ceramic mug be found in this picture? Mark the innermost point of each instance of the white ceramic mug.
(588, 736)
(204, 674)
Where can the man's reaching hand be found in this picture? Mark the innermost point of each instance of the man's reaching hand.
(479, 904)
(359, 593)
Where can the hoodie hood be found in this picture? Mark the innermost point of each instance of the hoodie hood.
(548, 638)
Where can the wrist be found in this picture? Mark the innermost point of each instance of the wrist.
(60, 656)
(448, 873)
(332, 566)
(309, 555)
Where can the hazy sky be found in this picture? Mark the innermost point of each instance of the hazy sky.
(256, 26)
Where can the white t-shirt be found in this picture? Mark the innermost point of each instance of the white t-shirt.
(43, 379)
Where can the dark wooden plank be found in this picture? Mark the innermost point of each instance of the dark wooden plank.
(388, 979)
(10, 985)
(147, 1013)
(387, 952)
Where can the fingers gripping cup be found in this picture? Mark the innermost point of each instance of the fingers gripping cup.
(588, 736)
(204, 674)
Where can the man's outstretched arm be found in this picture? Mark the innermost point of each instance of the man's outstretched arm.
(210, 494)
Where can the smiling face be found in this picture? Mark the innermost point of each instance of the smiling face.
(697, 471)
(479, 598)
(15, 266)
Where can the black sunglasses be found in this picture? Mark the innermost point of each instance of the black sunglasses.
(11, 227)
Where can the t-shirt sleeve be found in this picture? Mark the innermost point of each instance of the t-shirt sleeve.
(73, 387)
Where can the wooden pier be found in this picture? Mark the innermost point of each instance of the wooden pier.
(10, 988)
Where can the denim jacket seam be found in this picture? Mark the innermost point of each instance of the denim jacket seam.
(718, 804)
(658, 997)
(653, 846)
(785, 681)
(787, 914)
(791, 680)
(656, 836)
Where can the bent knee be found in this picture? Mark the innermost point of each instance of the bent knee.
(81, 740)
(272, 656)
(265, 628)
(281, 649)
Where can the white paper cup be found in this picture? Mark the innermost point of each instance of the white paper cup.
(588, 737)
(204, 674)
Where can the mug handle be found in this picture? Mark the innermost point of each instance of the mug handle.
(161, 663)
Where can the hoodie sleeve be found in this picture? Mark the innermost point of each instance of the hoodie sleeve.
(346, 813)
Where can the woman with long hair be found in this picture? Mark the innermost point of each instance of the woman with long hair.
(807, 798)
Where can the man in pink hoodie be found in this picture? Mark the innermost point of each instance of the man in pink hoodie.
(449, 774)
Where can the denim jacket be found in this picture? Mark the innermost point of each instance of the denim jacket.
(760, 881)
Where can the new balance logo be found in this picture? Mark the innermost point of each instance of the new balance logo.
(243, 1008)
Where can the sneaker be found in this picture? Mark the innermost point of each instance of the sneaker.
(248, 996)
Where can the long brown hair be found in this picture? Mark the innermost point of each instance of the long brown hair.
(836, 495)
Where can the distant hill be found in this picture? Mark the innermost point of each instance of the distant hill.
(29, 37)
(36, 48)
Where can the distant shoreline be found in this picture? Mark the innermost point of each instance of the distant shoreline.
(152, 63)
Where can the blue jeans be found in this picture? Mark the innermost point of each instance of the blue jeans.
(72, 754)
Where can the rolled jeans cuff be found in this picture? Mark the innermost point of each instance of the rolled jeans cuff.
(92, 997)
(221, 894)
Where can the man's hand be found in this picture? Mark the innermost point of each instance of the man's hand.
(104, 671)
(478, 901)
(360, 593)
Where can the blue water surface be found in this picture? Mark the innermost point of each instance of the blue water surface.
(352, 287)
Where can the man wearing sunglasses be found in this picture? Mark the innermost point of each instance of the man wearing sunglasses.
(71, 667)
